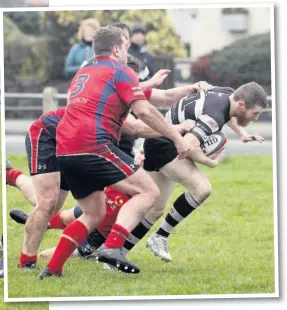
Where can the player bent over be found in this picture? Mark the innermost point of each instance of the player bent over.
(210, 110)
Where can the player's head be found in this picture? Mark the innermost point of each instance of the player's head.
(135, 64)
(111, 41)
(125, 28)
(87, 29)
(138, 34)
(251, 100)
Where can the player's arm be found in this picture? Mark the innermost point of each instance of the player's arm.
(137, 127)
(205, 126)
(153, 118)
(130, 92)
(241, 132)
(196, 154)
(160, 97)
(156, 80)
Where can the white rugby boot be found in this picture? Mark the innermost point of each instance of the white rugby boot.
(159, 246)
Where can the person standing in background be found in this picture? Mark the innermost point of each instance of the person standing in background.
(139, 48)
(82, 50)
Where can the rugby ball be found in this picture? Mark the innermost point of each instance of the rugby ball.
(214, 144)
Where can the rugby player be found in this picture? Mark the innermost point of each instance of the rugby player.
(211, 110)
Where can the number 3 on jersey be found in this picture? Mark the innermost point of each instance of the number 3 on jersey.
(79, 84)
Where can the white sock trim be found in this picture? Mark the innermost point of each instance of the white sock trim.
(194, 204)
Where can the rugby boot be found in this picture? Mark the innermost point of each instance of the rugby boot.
(115, 257)
(86, 251)
(46, 273)
(159, 246)
(30, 266)
(19, 216)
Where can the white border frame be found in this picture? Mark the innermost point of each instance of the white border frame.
(274, 155)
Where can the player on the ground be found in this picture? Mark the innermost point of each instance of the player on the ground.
(100, 97)
(114, 200)
(210, 110)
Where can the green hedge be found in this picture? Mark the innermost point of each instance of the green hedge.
(241, 62)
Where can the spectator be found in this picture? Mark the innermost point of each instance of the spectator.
(82, 50)
(139, 48)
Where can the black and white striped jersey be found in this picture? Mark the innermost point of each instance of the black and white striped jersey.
(209, 109)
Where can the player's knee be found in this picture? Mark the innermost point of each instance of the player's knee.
(205, 191)
(47, 204)
(154, 192)
(101, 213)
(201, 192)
(96, 216)
(155, 214)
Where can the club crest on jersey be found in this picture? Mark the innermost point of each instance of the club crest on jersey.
(212, 123)
(119, 201)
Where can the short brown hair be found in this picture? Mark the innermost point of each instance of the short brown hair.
(105, 38)
(135, 64)
(91, 22)
(252, 94)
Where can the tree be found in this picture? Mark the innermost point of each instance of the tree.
(161, 38)
(25, 57)
(241, 62)
(28, 23)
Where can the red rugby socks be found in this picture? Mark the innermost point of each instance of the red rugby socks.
(12, 175)
(73, 235)
(56, 222)
(26, 259)
(117, 236)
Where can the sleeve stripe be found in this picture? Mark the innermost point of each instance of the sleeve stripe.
(205, 127)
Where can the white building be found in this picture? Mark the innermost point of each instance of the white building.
(207, 29)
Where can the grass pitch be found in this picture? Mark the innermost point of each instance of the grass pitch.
(224, 247)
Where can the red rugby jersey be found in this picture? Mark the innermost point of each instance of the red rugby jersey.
(99, 100)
